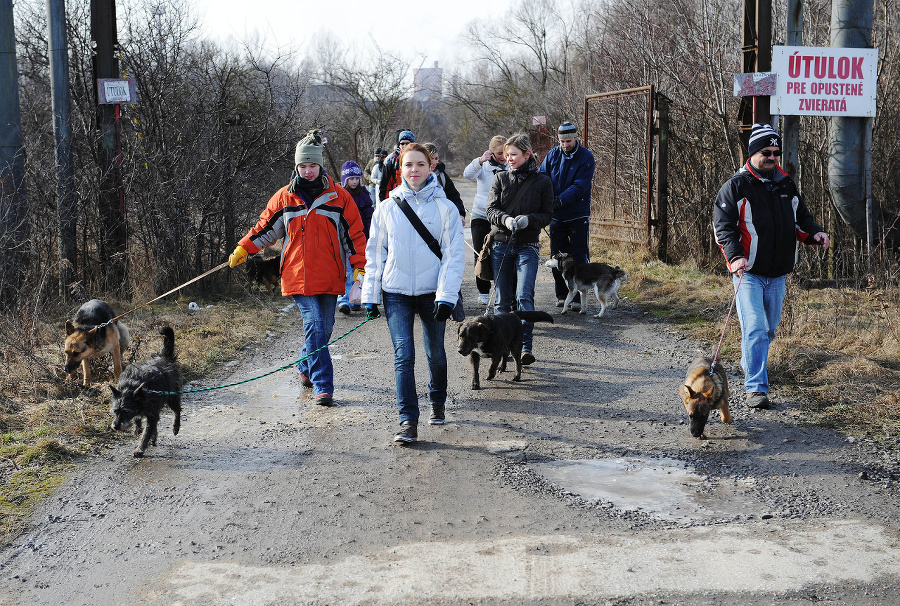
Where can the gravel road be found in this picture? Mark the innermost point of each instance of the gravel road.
(579, 485)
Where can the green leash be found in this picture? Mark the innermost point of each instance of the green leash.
(271, 372)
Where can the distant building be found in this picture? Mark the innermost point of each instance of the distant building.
(324, 93)
(428, 84)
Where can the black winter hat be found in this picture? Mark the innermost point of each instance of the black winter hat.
(762, 135)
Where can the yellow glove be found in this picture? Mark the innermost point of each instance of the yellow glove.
(237, 257)
(358, 275)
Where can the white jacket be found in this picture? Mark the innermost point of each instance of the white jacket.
(397, 258)
(483, 175)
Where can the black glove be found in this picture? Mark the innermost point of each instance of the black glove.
(442, 311)
(372, 311)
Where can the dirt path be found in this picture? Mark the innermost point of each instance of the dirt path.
(265, 498)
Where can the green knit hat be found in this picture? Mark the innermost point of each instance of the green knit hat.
(309, 149)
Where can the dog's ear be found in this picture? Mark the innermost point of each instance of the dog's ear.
(70, 328)
(709, 394)
(115, 392)
(690, 391)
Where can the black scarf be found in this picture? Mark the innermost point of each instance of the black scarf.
(307, 190)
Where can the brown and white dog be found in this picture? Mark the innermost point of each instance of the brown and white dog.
(603, 279)
(86, 338)
(703, 392)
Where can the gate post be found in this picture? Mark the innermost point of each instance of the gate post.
(662, 177)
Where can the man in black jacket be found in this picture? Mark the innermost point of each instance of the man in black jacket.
(758, 218)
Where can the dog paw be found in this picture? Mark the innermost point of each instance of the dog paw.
(138, 454)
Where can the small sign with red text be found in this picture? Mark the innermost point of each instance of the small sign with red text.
(824, 81)
(757, 84)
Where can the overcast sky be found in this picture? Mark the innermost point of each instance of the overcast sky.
(413, 28)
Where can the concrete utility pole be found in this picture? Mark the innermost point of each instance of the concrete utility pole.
(13, 209)
(791, 124)
(112, 196)
(66, 202)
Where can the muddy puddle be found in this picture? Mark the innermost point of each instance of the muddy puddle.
(663, 488)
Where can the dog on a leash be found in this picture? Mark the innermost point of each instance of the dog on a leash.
(703, 392)
(263, 272)
(132, 401)
(603, 279)
(496, 337)
(87, 338)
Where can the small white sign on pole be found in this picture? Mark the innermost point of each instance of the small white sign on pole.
(824, 81)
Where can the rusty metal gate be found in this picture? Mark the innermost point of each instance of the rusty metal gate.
(619, 130)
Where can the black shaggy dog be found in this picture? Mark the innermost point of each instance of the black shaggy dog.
(496, 337)
(134, 402)
(265, 272)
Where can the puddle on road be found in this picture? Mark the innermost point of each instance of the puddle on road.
(353, 356)
(663, 488)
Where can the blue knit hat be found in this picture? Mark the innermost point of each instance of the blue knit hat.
(349, 169)
(406, 135)
(762, 135)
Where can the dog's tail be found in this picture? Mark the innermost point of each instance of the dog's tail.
(168, 350)
(124, 336)
(534, 316)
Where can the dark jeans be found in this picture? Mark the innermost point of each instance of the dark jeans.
(480, 229)
(515, 272)
(400, 312)
(569, 237)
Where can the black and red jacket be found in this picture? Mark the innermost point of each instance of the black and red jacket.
(762, 219)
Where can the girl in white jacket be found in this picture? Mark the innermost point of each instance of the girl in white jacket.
(409, 279)
(482, 171)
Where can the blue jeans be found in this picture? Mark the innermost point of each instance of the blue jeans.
(515, 271)
(344, 299)
(759, 301)
(318, 322)
(569, 237)
(400, 312)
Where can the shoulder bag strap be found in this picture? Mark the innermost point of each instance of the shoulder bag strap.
(420, 227)
(507, 208)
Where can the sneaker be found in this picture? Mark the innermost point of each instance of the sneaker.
(324, 399)
(559, 302)
(484, 298)
(437, 415)
(408, 433)
(527, 358)
(757, 399)
(304, 380)
(344, 309)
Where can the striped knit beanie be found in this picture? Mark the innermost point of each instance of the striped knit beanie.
(567, 130)
(762, 135)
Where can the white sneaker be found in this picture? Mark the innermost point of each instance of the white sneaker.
(484, 298)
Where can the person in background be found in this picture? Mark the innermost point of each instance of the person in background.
(375, 175)
(758, 218)
(313, 215)
(444, 180)
(351, 176)
(371, 186)
(570, 167)
(514, 253)
(409, 279)
(482, 171)
(390, 174)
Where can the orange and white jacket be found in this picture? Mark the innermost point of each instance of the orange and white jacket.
(317, 239)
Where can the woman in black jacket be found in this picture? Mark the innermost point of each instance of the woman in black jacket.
(519, 205)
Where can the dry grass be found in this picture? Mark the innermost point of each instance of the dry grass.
(47, 420)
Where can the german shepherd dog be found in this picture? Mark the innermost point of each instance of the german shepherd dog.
(603, 279)
(496, 337)
(703, 392)
(263, 272)
(86, 338)
(132, 402)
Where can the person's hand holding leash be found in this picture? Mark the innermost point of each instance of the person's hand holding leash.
(738, 266)
(510, 223)
(237, 257)
(442, 310)
(822, 238)
(521, 221)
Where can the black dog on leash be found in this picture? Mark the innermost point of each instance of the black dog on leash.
(496, 337)
(132, 402)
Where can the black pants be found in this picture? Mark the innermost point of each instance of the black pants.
(480, 229)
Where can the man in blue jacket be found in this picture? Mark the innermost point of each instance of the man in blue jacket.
(571, 169)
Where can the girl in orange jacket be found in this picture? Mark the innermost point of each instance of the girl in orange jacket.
(321, 228)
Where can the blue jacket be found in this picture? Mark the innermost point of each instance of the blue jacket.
(572, 177)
